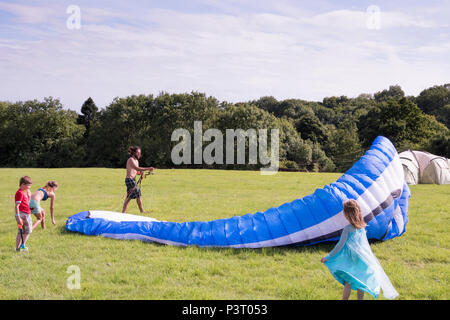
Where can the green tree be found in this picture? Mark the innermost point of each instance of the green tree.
(293, 147)
(246, 116)
(120, 125)
(334, 102)
(440, 145)
(320, 161)
(148, 122)
(88, 115)
(267, 103)
(394, 92)
(436, 101)
(310, 127)
(344, 146)
(40, 134)
(401, 121)
(173, 111)
(444, 115)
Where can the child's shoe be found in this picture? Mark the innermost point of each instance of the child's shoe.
(23, 248)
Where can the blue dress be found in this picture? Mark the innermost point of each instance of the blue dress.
(352, 261)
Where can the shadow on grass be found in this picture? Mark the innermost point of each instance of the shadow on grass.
(322, 248)
(266, 251)
(63, 231)
(276, 251)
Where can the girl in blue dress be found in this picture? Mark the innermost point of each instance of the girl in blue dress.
(352, 262)
(42, 194)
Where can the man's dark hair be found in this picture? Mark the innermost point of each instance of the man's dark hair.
(132, 150)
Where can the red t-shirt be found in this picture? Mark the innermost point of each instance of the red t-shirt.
(23, 198)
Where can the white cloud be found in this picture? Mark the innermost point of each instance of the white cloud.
(231, 56)
(30, 14)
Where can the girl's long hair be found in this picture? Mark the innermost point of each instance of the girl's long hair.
(51, 184)
(352, 211)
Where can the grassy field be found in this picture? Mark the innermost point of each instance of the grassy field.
(417, 263)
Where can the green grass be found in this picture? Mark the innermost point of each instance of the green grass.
(417, 262)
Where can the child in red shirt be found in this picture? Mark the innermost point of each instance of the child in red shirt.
(23, 212)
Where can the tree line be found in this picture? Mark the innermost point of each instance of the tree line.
(314, 136)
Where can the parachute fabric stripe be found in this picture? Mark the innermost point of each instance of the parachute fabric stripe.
(376, 181)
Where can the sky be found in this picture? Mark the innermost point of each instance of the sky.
(234, 50)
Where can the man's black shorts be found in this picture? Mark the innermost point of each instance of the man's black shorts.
(133, 191)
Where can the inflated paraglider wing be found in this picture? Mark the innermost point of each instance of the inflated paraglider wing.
(376, 181)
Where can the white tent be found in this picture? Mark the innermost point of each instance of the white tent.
(410, 167)
(437, 171)
(424, 167)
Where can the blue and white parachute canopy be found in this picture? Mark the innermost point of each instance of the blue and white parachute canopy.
(376, 181)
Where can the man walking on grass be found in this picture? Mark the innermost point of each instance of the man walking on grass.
(133, 169)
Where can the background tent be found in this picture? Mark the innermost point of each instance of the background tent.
(424, 167)
(410, 167)
(376, 181)
(437, 171)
